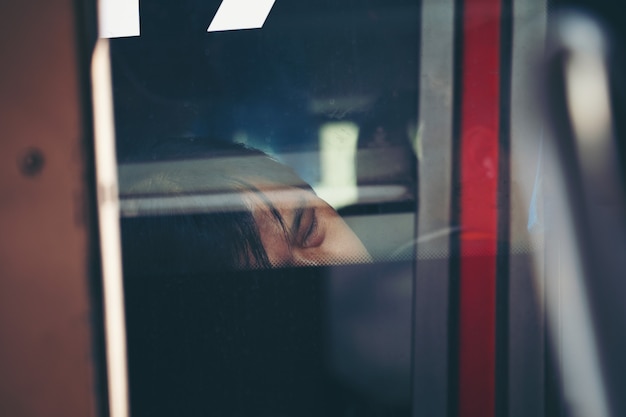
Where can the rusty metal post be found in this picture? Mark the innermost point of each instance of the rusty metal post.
(46, 340)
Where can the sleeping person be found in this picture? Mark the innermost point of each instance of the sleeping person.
(194, 205)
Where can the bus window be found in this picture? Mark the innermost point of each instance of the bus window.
(268, 183)
(339, 208)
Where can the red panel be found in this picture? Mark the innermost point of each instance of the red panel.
(479, 214)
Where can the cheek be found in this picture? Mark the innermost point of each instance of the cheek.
(343, 245)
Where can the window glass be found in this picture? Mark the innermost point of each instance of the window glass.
(337, 208)
(268, 193)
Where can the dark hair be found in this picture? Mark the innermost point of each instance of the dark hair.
(192, 243)
(195, 242)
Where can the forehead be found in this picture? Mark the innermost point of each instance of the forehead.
(265, 193)
(274, 207)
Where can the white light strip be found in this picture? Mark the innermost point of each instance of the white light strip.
(118, 18)
(569, 317)
(589, 110)
(108, 220)
(588, 95)
(241, 14)
(137, 206)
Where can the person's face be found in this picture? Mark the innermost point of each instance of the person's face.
(296, 227)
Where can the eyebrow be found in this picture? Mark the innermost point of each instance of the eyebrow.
(272, 208)
(298, 215)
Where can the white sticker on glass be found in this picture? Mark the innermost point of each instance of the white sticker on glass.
(241, 14)
(118, 18)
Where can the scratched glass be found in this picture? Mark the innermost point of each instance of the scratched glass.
(317, 200)
(268, 192)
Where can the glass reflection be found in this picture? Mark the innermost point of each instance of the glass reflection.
(247, 294)
(257, 213)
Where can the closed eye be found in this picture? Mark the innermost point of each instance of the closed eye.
(304, 224)
(312, 236)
